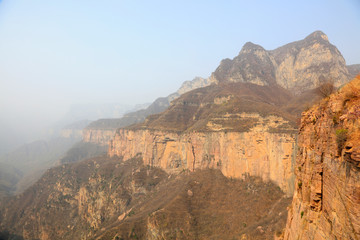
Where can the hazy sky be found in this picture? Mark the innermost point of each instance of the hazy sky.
(55, 53)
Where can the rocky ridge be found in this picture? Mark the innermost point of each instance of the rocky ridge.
(326, 203)
(102, 131)
(297, 66)
(248, 107)
(238, 128)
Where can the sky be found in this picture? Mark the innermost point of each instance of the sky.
(54, 54)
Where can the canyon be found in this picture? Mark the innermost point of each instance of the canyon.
(238, 125)
(220, 159)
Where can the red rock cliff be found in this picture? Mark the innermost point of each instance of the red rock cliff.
(326, 203)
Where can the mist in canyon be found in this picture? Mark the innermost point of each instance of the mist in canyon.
(179, 120)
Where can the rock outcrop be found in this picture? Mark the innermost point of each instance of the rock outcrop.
(297, 66)
(237, 154)
(326, 203)
(238, 128)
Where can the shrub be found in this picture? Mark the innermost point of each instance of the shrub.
(302, 214)
(326, 89)
(341, 137)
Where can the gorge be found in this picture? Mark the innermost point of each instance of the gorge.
(222, 159)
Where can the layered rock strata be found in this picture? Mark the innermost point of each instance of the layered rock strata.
(236, 154)
(326, 203)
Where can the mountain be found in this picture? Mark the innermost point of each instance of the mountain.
(297, 66)
(31, 160)
(326, 201)
(102, 131)
(218, 163)
(354, 69)
(9, 177)
(246, 121)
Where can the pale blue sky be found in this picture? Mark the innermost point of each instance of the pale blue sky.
(54, 53)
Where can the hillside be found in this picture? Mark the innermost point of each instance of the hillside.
(102, 131)
(217, 163)
(104, 198)
(219, 105)
(298, 68)
(9, 177)
(31, 160)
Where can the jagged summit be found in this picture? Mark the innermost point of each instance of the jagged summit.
(317, 35)
(298, 66)
(249, 46)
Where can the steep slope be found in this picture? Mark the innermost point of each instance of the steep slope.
(102, 131)
(104, 198)
(9, 177)
(297, 66)
(326, 202)
(244, 123)
(72, 201)
(220, 105)
(354, 69)
(237, 128)
(32, 159)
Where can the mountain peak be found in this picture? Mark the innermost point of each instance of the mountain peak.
(317, 35)
(251, 46)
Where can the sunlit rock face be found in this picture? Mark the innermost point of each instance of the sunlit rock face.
(236, 154)
(326, 203)
(238, 128)
(297, 66)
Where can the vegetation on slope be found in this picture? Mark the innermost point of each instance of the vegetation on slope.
(112, 199)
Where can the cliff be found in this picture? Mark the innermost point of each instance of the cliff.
(326, 203)
(256, 153)
(238, 128)
(297, 66)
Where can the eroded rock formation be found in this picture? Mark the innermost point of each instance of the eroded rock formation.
(238, 128)
(236, 154)
(326, 202)
(297, 66)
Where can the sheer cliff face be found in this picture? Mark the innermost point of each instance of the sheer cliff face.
(256, 153)
(237, 128)
(297, 66)
(326, 202)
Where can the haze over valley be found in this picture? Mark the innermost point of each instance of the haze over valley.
(182, 120)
